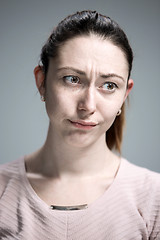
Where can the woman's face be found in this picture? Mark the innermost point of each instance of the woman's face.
(85, 88)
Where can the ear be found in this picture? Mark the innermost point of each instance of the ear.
(129, 88)
(39, 78)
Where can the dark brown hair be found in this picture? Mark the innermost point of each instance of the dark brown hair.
(85, 23)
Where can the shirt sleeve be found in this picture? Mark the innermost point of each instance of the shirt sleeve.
(154, 209)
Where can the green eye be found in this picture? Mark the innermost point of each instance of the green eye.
(109, 86)
(71, 79)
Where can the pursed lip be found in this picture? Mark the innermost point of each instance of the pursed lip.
(84, 123)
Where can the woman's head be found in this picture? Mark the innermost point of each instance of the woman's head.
(87, 23)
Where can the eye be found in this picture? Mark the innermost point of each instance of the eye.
(72, 79)
(109, 86)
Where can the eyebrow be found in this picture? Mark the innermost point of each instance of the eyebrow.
(73, 69)
(109, 75)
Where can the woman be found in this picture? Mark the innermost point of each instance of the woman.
(74, 186)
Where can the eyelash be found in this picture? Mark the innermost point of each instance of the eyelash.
(110, 84)
(75, 78)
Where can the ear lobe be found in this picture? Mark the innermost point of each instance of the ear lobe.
(39, 78)
(129, 88)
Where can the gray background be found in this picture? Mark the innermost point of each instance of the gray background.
(24, 27)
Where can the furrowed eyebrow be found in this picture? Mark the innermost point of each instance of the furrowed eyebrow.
(112, 75)
(73, 69)
(109, 75)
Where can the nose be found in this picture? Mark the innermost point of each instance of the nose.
(87, 102)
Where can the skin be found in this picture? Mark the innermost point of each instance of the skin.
(86, 86)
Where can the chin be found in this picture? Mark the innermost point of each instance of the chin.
(81, 141)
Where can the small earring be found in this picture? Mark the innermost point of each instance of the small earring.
(119, 112)
(42, 98)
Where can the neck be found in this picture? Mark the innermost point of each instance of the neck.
(58, 159)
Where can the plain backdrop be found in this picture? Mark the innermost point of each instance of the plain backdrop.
(25, 26)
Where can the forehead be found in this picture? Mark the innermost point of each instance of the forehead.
(92, 52)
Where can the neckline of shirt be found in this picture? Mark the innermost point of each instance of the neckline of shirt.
(45, 206)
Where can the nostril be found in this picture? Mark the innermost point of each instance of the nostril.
(82, 105)
(89, 108)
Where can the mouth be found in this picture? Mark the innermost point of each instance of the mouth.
(83, 124)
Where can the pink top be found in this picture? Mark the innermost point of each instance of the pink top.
(128, 210)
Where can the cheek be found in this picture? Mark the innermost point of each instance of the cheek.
(58, 104)
(110, 108)
(109, 116)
